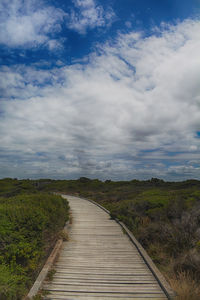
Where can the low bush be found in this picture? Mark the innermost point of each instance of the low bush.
(29, 224)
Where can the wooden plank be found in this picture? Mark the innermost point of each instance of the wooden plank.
(109, 283)
(106, 279)
(101, 296)
(107, 289)
(100, 267)
(103, 260)
(109, 272)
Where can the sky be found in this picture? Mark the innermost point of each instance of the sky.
(106, 89)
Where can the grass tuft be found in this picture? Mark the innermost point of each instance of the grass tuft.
(186, 287)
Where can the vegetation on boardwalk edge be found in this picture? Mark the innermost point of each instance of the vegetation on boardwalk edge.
(29, 225)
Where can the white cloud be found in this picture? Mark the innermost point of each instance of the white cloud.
(33, 23)
(87, 14)
(100, 119)
(28, 23)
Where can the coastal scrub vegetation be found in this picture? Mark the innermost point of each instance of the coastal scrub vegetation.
(29, 224)
(163, 216)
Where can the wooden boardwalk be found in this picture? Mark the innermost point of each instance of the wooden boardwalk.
(99, 261)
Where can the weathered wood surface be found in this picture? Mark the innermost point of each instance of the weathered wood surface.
(99, 261)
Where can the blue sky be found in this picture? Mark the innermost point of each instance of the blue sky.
(103, 89)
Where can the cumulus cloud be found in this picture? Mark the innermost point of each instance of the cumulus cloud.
(132, 111)
(29, 23)
(87, 14)
(33, 23)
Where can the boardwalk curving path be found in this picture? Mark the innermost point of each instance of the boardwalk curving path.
(99, 261)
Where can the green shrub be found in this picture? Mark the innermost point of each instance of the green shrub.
(11, 285)
(29, 224)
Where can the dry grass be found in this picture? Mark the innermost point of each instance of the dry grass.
(63, 234)
(145, 221)
(50, 274)
(186, 287)
(40, 295)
